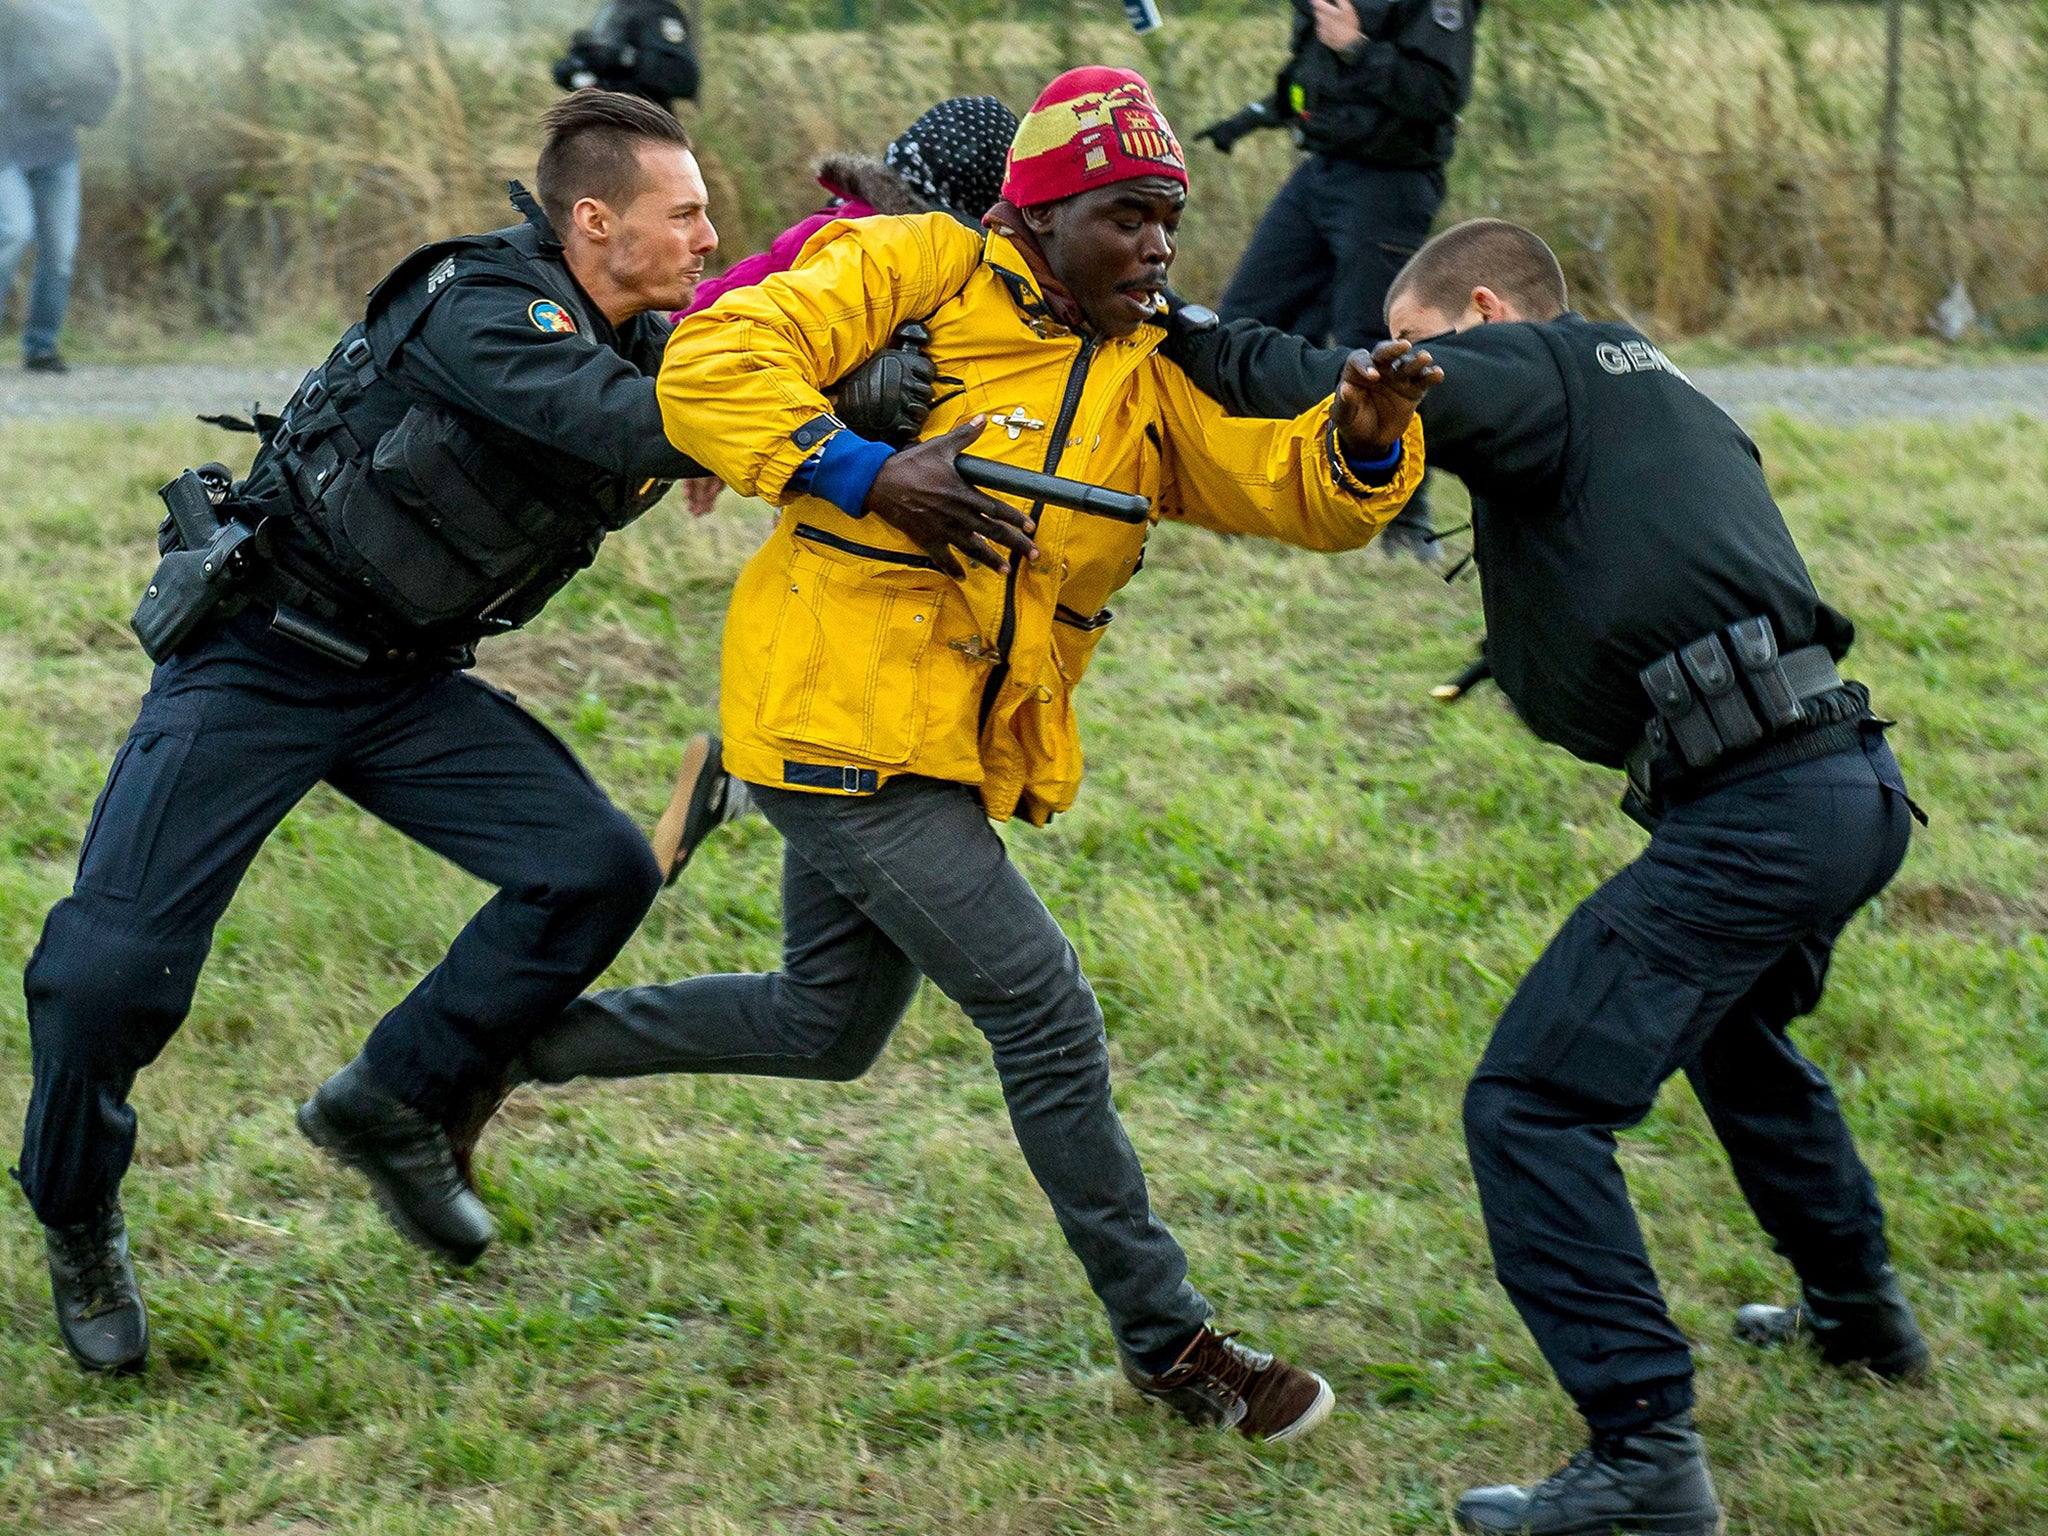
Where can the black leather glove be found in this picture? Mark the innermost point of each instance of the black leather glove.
(1229, 130)
(887, 398)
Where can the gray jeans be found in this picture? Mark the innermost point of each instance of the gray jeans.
(876, 890)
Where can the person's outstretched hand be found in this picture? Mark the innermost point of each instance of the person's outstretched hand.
(702, 493)
(1378, 393)
(921, 494)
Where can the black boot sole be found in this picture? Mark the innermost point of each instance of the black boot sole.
(337, 1144)
(1907, 1365)
(133, 1366)
(1613, 1525)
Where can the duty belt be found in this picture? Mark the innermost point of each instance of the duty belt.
(1728, 705)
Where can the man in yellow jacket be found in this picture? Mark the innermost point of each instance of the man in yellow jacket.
(882, 702)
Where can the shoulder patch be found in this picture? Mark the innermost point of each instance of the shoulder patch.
(442, 275)
(1448, 14)
(547, 315)
(672, 29)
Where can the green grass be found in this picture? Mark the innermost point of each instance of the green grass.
(1303, 892)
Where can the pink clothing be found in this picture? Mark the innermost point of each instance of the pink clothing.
(779, 257)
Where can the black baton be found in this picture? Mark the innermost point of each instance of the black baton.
(1053, 490)
(1463, 683)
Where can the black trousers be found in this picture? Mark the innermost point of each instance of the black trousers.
(231, 735)
(1324, 253)
(1321, 260)
(1694, 958)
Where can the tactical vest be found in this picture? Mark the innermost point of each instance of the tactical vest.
(420, 518)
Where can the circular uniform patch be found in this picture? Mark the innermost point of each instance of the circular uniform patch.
(547, 315)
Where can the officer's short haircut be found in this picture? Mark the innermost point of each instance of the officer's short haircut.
(592, 149)
(1483, 253)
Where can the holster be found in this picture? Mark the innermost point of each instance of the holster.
(213, 557)
(1726, 710)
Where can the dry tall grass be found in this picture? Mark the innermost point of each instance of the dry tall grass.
(1707, 167)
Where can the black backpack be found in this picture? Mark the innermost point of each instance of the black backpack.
(64, 64)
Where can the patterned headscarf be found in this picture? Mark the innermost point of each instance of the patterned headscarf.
(953, 156)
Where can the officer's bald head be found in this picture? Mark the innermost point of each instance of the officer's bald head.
(1491, 255)
(593, 148)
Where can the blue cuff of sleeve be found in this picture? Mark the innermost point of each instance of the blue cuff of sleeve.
(1375, 469)
(842, 472)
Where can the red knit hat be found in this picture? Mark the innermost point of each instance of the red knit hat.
(1089, 128)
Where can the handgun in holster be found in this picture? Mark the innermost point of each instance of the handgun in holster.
(207, 558)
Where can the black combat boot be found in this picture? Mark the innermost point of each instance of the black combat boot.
(92, 1281)
(406, 1157)
(1649, 1482)
(1872, 1326)
(465, 1124)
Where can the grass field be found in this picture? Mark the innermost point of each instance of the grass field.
(740, 1306)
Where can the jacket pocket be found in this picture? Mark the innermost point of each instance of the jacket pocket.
(848, 659)
(1074, 638)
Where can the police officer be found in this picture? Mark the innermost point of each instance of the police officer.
(460, 454)
(1646, 608)
(640, 47)
(1372, 91)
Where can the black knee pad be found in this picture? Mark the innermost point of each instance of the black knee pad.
(102, 999)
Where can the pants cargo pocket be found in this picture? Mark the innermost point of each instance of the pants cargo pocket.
(123, 832)
(848, 662)
(1597, 1021)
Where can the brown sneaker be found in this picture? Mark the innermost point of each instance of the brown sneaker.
(705, 796)
(1219, 1381)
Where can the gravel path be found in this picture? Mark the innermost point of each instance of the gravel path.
(1832, 395)
(145, 392)
(1846, 396)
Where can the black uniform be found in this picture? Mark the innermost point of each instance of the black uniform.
(459, 456)
(1618, 514)
(1379, 127)
(640, 47)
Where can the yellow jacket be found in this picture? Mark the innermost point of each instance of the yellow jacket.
(848, 657)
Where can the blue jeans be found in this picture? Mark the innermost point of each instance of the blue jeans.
(878, 890)
(40, 207)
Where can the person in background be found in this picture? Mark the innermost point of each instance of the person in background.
(1372, 91)
(949, 161)
(637, 47)
(57, 73)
